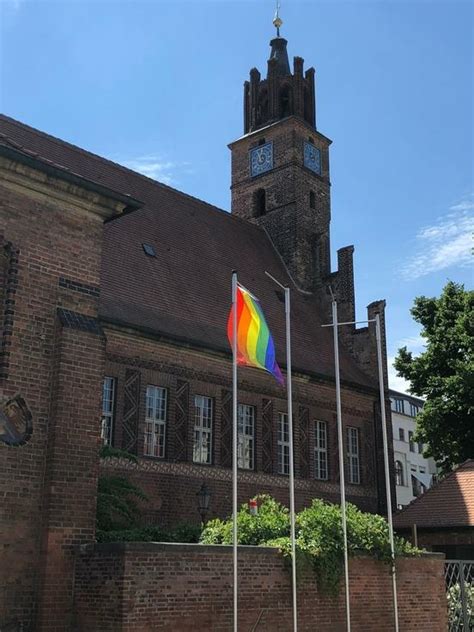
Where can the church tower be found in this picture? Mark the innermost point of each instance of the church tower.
(280, 167)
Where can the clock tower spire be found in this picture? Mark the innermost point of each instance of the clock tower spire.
(280, 167)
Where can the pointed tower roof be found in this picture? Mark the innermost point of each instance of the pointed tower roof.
(279, 52)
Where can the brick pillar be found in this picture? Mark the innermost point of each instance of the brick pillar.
(72, 468)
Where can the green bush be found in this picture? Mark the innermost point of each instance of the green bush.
(319, 537)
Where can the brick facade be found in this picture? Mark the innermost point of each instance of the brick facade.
(146, 587)
(48, 485)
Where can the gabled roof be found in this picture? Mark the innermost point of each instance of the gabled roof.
(184, 293)
(450, 503)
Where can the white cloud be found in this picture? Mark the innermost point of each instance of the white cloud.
(156, 167)
(394, 382)
(446, 243)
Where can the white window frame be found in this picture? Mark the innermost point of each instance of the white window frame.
(321, 469)
(156, 406)
(399, 474)
(246, 436)
(411, 443)
(414, 409)
(108, 409)
(203, 427)
(283, 444)
(353, 455)
(399, 405)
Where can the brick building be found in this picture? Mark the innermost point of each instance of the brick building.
(115, 292)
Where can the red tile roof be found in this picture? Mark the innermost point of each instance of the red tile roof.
(450, 503)
(184, 292)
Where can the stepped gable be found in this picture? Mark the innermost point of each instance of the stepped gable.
(450, 503)
(184, 292)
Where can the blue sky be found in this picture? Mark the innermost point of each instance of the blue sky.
(157, 85)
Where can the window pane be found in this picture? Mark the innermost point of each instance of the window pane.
(202, 449)
(353, 455)
(245, 430)
(320, 451)
(283, 444)
(155, 421)
(108, 398)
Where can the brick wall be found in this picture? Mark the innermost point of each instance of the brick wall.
(49, 233)
(146, 587)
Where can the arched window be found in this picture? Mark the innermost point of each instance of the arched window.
(259, 203)
(285, 102)
(399, 473)
(312, 199)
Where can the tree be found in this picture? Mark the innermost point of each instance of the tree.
(443, 374)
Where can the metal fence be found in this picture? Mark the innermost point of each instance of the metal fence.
(459, 576)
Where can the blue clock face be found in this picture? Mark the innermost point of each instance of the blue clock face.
(312, 158)
(261, 159)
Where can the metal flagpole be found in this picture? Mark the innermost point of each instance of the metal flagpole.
(290, 431)
(341, 460)
(234, 442)
(386, 463)
(292, 467)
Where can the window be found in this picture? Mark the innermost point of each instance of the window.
(417, 486)
(398, 405)
(422, 469)
(321, 450)
(410, 441)
(414, 409)
(202, 451)
(108, 400)
(312, 199)
(246, 429)
(149, 250)
(353, 455)
(399, 473)
(260, 203)
(420, 447)
(401, 434)
(155, 421)
(283, 444)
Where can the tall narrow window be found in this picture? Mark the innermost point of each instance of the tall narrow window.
(312, 199)
(353, 455)
(401, 434)
(260, 203)
(411, 443)
(283, 444)
(108, 404)
(414, 409)
(399, 473)
(246, 430)
(398, 405)
(321, 450)
(202, 450)
(155, 421)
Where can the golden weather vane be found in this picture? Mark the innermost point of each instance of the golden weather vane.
(277, 21)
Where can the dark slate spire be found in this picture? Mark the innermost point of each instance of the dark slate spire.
(280, 56)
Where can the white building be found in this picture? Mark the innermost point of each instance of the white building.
(413, 472)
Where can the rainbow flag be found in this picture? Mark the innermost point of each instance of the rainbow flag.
(254, 341)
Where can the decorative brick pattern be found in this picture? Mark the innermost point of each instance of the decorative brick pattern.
(267, 435)
(76, 286)
(148, 587)
(73, 320)
(181, 420)
(8, 282)
(131, 411)
(304, 442)
(226, 428)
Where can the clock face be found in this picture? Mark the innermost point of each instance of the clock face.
(261, 159)
(312, 158)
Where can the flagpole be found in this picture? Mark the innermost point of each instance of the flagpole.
(291, 449)
(292, 465)
(234, 444)
(386, 464)
(341, 460)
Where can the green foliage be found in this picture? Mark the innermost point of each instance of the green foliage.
(116, 496)
(108, 451)
(319, 537)
(455, 613)
(182, 533)
(444, 374)
(116, 503)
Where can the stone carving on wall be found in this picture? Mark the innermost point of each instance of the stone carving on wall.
(16, 421)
